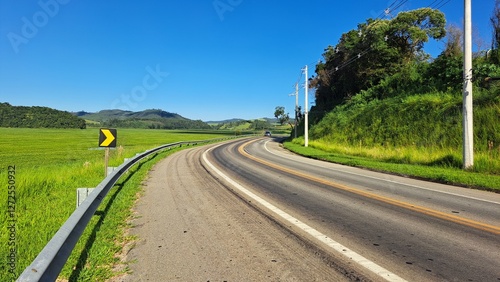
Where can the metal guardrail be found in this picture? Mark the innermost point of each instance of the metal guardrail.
(50, 261)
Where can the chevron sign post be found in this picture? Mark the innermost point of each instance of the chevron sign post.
(107, 138)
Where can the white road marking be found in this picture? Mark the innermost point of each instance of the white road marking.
(371, 266)
(390, 181)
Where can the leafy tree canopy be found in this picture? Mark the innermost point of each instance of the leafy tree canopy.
(280, 114)
(375, 50)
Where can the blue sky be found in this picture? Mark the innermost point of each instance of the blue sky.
(202, 59)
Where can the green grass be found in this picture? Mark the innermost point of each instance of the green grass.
(431, 120)
(419, 135)
(438, 165)
(50, 165)
(97, 256)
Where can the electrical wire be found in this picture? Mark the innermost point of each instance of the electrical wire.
(299, 78)
(436, 4)
(400, 4)
(439, 7)
(433, 3)
(384, 12)
(393, 7)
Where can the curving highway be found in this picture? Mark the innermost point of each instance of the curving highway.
(413, 229)
(343, 222)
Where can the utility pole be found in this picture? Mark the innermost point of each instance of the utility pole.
(296, 94)
(306, 112)
(468, 132)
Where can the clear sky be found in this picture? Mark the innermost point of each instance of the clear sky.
(202, 59)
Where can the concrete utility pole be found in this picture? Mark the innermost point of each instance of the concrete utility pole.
(306, 112)
(468, 132)
(296, 94)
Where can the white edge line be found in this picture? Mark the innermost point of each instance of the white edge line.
(371, 266)
(392, 181)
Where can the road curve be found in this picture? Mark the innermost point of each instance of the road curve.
(250, 210)
(415, 229)
(192, 228)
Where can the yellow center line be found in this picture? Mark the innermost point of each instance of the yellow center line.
(430, 212)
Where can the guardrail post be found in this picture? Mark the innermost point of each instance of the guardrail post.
(110, 170)
(81, 195)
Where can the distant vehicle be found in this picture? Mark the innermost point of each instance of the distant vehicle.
(268, 133)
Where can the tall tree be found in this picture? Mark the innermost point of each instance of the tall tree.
(453, 43)
(410, 30)
(375, 50)
(446, 71)
(495, 23)
(280, 114)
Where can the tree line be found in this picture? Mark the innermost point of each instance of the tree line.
(37, 117)
(256, 124)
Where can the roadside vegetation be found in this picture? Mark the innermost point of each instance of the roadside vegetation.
(50, 165)
(381, 102)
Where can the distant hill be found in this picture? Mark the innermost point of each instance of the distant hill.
(237, 120)
(37, 117)
(106, 115)
(152, 118)
(242, 124)
(224, 121)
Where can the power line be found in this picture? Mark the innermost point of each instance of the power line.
(400, 4)
(436, 4)
(384, 12)
(439, 7)
(299, 78)
(393, 7)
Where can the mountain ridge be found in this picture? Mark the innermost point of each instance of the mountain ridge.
(109, 114)
(149, 118)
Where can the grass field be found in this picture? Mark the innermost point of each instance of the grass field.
(49, 165)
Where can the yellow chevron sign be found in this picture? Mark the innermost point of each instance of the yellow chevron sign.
(107, 137)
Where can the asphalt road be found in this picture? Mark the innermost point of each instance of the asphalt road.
(255, 212)
(192, 228)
